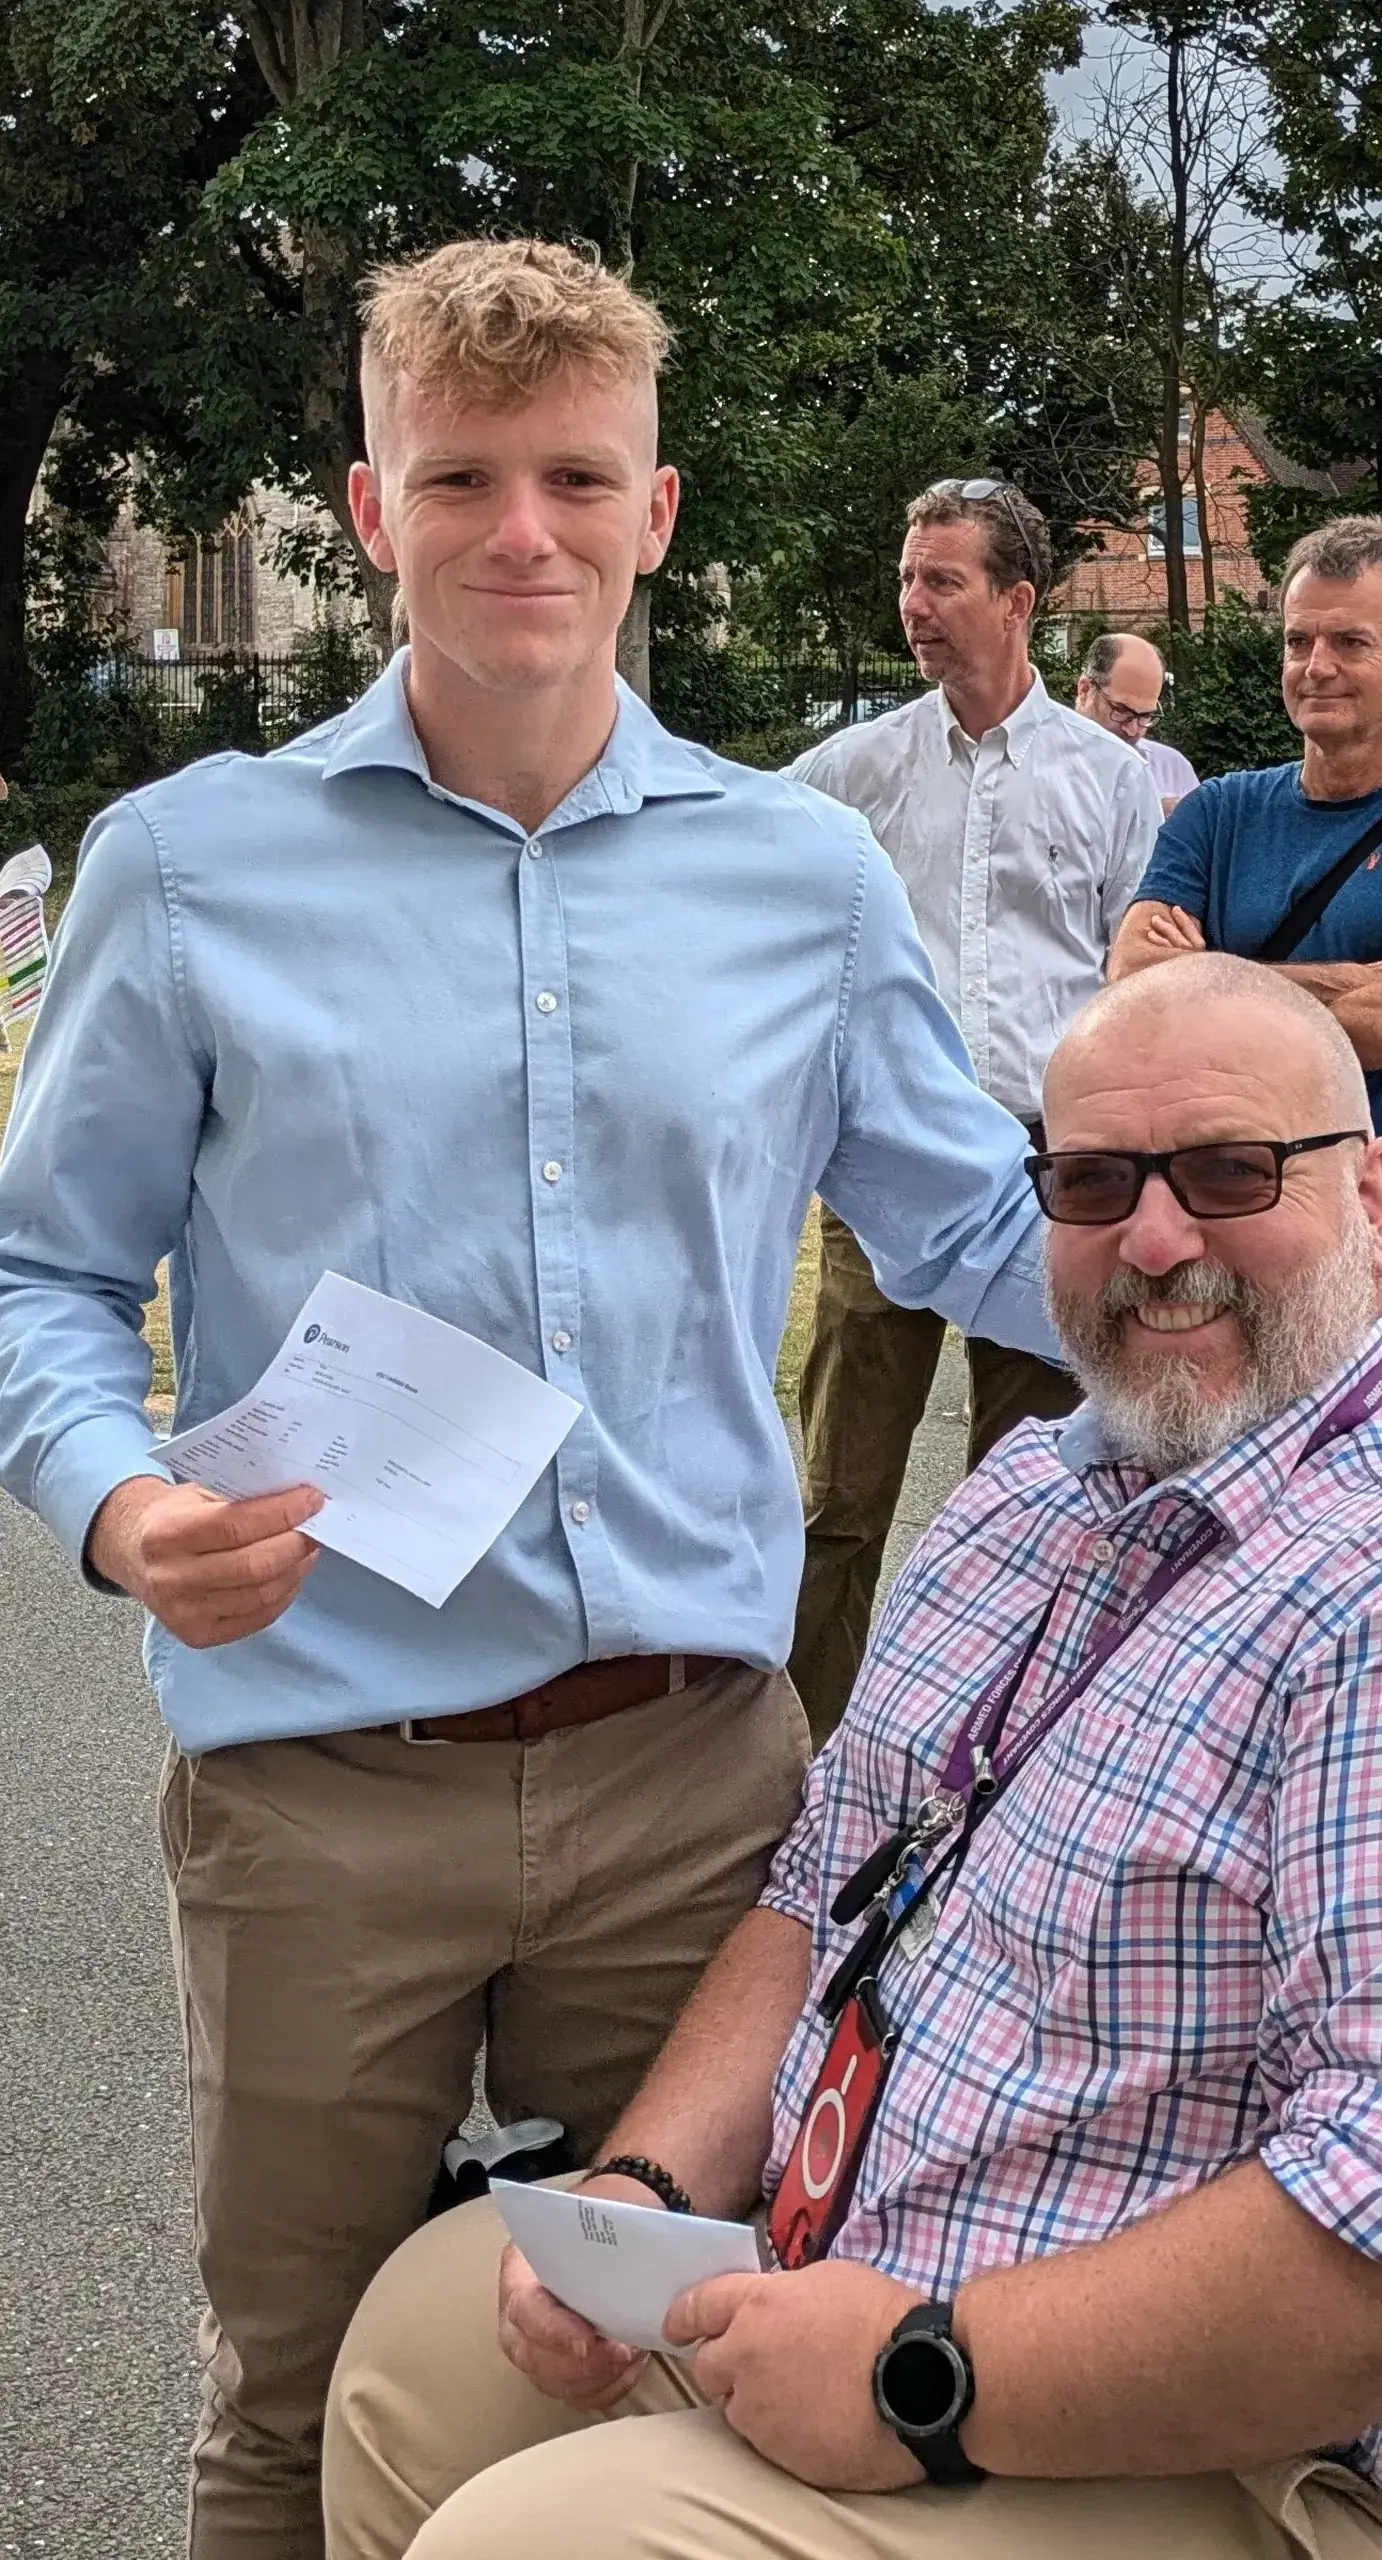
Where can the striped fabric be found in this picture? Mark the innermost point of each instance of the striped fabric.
(23, 940)
(1165, 1953)
(23, 956)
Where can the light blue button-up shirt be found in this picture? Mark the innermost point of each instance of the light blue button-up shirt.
(570, 1091)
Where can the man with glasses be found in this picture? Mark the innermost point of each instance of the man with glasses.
(1120, 686)
(1283, 865)
(1020, 833)
(1051, 2056)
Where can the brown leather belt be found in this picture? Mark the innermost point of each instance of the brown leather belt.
(589, 1691)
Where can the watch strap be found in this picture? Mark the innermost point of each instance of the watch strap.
(942, 2456)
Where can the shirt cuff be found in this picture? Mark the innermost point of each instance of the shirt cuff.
(793, 1906)
(82, 1468)
(1331, 2165)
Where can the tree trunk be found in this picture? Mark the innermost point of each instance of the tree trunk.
(1172, 494)
(297, 43)
(27, 419)
(635, 635)
(1173, 355)
(1197, 425)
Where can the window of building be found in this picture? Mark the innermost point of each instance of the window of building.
(211, 591)
(1190, 530)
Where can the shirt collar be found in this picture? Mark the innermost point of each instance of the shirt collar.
(1016, 732)
(1242, 1485)
(641, 762)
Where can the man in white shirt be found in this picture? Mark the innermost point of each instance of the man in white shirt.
(1020, 832)
(1120, 687)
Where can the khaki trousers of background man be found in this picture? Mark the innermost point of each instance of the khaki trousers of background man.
(423, 2402)
(863, 1392)
(350, 1917)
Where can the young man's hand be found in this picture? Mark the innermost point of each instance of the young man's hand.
(209, 1570)
(789, 2360)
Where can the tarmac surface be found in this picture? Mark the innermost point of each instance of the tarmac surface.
(98, 2291)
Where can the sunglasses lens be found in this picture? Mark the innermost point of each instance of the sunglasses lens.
(1227, 1182)
(1087, 1191)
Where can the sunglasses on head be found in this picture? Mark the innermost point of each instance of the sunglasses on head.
(1004, 491)
(1233, 1178)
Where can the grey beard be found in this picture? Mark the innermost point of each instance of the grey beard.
(1293, 1339)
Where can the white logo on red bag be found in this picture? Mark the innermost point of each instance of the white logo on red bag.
(821, 2157)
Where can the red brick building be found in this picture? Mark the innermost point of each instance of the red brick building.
(1127, 578)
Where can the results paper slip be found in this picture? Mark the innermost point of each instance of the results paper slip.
(620, 2265)
(424, 1440)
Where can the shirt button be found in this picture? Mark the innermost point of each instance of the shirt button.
(546, 1002)
(551, 1171)
(1104, 1551)
(561, 1339)
(580, 1513)
(534, 850)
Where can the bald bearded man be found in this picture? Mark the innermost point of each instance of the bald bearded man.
(1052, 2054)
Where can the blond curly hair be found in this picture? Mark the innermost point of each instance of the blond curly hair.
(488, 322)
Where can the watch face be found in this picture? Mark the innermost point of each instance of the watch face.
(923, 2383)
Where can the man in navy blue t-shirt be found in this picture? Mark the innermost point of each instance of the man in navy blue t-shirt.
(1234, 857)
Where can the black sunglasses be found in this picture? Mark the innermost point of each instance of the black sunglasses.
(1233, 1178)
(1004, 491)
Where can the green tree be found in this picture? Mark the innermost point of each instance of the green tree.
(1006, 347)
(113, 116)
(1312, 359)
(846, 207)
(1181, 115)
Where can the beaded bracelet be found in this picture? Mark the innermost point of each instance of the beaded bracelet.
(648, 2173)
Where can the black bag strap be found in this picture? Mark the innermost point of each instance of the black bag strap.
(1310, 906)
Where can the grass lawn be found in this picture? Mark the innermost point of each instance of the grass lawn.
(794, 1341)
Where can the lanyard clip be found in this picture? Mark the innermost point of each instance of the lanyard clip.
(868, 1881)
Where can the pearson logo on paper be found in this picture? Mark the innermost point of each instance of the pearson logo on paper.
(313, 1333)
(328, 1341)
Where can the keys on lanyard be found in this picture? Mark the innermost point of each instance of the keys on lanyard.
(897, 1887)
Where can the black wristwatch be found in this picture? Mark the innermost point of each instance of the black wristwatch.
(923, 2387)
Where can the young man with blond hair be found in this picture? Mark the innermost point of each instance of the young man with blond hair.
(493, 996)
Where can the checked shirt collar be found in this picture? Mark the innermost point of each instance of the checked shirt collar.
(1241, 1486)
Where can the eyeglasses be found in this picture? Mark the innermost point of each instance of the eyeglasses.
(1124, 710)
(1004, 491)
(1234, 1178)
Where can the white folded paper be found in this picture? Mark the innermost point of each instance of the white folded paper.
(621, 2266)
(425, 1440)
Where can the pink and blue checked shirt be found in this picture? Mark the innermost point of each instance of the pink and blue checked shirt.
(1164, 1955)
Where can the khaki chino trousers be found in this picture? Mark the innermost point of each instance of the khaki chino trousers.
(437, 2447)
(351, 1916)
(864, 1387)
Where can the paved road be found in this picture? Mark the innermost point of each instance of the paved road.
(97, 2284)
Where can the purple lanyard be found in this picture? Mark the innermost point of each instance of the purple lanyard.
(980, 1766)
(969, 1762)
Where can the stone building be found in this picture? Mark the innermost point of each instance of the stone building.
(222, 593)
(1126, 580)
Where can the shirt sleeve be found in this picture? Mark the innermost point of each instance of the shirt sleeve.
(926, 1170)
(794, 1878)
(1321, 2037)
(817, 766)
(1135, 822)
(1178, 874)
(94, 1187)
